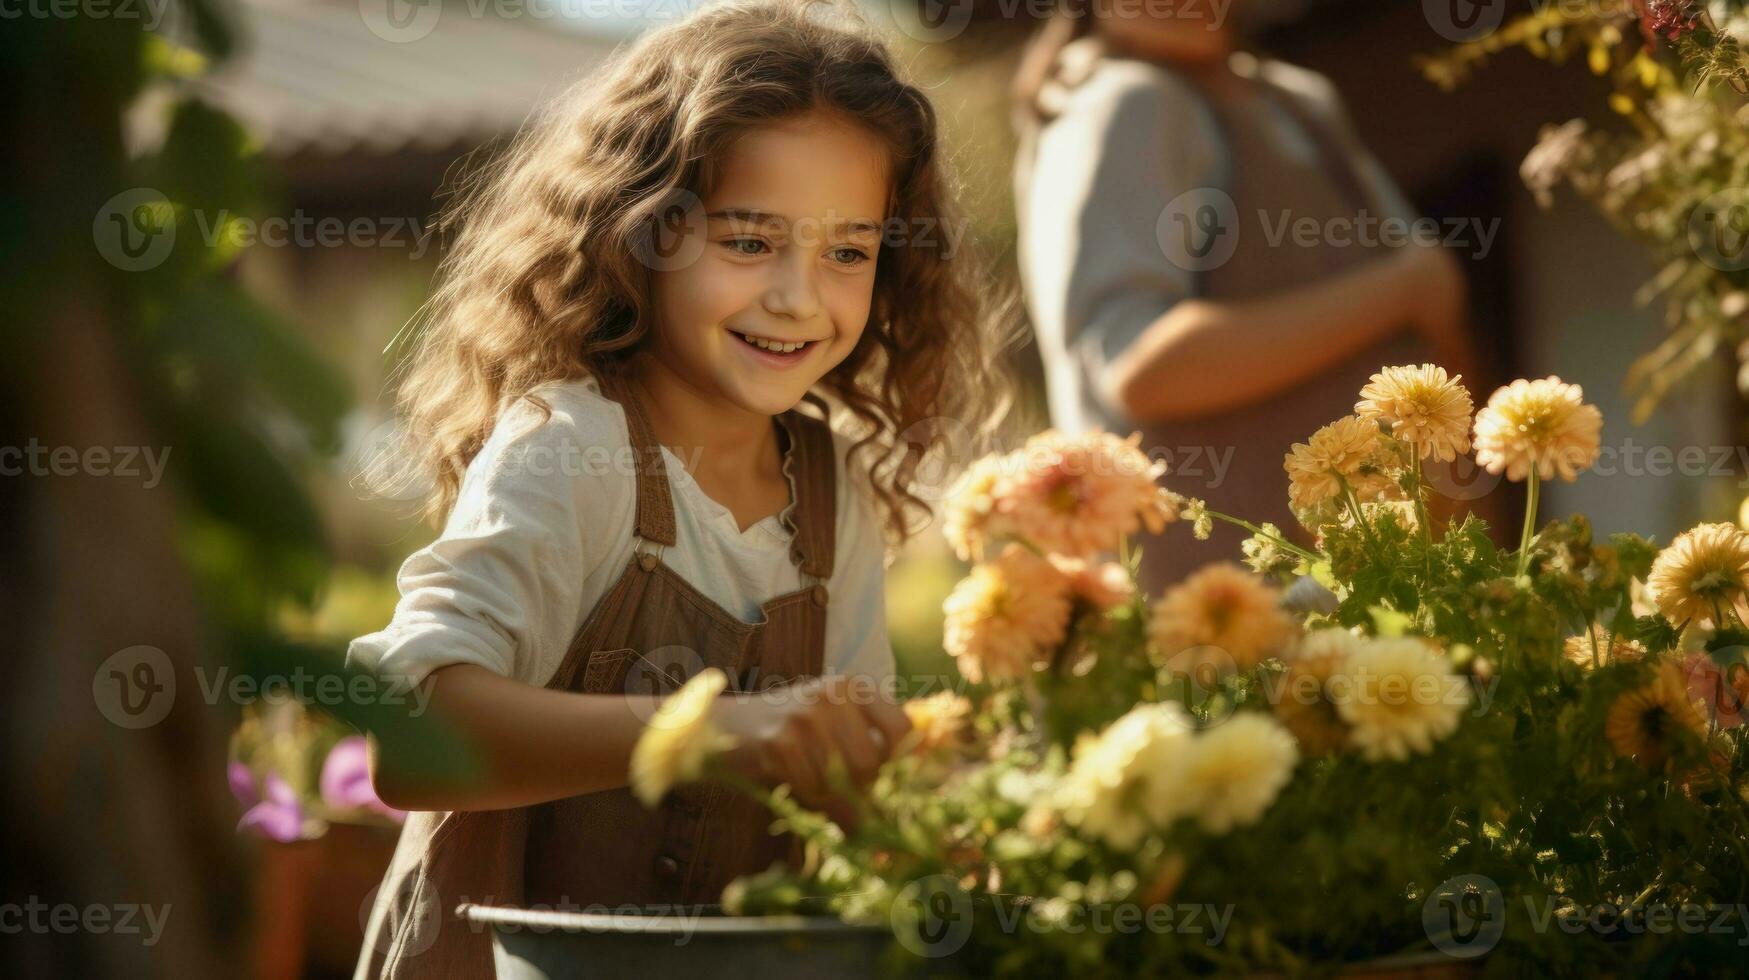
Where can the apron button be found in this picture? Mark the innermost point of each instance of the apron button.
(647, 561)
(667, 867)
(820, 596)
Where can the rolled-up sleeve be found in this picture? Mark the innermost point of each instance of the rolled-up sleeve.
(1130, 142)
(502, 585)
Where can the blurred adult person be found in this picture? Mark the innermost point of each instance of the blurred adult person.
(1209, 254)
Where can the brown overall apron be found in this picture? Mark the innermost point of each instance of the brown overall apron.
(651, 632)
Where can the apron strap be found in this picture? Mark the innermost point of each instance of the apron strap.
(814, 521)
(655, 500)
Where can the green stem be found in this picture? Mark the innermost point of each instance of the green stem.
(1360, 518)
(1254, 529)
(1422, 517)
(1529, 524)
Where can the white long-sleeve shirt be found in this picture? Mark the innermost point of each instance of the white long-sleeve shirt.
(543, 528)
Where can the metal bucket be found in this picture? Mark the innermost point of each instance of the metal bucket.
(694, 944)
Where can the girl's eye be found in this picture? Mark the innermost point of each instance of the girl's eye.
(745, 246)
(848, 255)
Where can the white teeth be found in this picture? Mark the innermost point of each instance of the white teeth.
(772, 345)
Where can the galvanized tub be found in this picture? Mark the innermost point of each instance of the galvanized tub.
(695, 943)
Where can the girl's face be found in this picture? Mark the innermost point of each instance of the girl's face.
(780, 291)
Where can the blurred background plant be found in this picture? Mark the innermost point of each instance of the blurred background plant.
(1671, 169)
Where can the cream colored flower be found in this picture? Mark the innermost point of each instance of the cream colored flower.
(1590, 651)
(1224, 607)
(1006, 616)
(1423, 407)
(679, 739)
(1305, 705)
(1399, 696)
(1542, 426)
(1317, 467)
(1650, 724)
(1125, 782)
(1704, 570)
(1236, 769)
(1078, 495)
(938, 721)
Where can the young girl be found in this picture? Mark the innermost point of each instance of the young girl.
(686, 248)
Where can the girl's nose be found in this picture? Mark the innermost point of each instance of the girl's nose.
(793, 293)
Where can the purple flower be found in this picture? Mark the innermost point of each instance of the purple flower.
(279, 817)
(346, 779)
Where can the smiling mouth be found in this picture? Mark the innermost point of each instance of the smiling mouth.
(776, 346)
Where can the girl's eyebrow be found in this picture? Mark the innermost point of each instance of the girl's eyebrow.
(758, 217)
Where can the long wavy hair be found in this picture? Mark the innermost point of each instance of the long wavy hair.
(545, 280)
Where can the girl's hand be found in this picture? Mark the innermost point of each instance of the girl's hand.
(792, 734)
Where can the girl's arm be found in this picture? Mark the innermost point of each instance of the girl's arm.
(1208, 356)
(534, 745)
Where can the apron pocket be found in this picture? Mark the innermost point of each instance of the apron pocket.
(605, 671)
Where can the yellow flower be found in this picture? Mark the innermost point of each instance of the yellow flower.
(1305, 705)
(1124, 782)
(679, 739)
(1236, 769)
(1542, 426)
(1589, 651)
(1317, 467)
(1400, 696)
(938, 721)
(1704, 570)
(1650, 723)
(1006, 616)
(1224, 607)
(1423, 407)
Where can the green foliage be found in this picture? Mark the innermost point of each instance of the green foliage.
(1534, 792)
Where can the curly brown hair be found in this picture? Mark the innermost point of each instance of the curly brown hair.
(545, 282)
